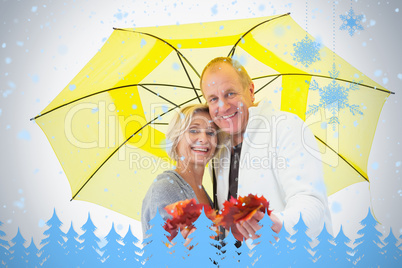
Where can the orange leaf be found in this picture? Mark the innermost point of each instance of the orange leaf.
(185, 213)
(241, 209)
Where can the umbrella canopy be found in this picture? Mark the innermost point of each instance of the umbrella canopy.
(107, 126)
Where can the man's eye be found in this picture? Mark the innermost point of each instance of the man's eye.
(213, 99)
(231, 94)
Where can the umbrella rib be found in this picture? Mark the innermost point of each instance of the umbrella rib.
(180, 58)
(106, 90)
(342, 158)
(188, 76)
(160, 39)
(231, 52)
(148, 123)
(267, 84)
(324, 76)
(163, 98)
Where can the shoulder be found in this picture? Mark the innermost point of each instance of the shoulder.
(163, 182)
(266, 108)
(267, 123)
(167, 186)
(165, 190)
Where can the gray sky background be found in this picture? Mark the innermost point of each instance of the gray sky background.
(44, 44)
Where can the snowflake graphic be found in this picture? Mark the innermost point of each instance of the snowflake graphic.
(351, 22)
(334, 97)
(306, 51)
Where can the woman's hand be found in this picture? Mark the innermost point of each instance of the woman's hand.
(185, 233)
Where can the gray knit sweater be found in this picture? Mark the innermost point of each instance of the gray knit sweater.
(168, 188)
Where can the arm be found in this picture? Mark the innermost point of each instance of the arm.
(161, 193)
(302, 180)
(299, 179)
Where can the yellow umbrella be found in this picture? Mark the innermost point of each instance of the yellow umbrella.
(107, 126)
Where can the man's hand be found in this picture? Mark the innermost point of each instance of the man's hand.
(247, 229)
(277, 224)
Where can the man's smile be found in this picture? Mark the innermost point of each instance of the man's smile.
(228, 116)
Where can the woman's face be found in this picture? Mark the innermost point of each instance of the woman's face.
(197, 144)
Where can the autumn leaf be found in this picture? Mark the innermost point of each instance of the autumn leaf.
(184, 214)
(241, 209)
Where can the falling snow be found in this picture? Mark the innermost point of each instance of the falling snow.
(214, 10)
(306, 51)
(351, 22)
(334, 98)
(120, 15)
(24, 135)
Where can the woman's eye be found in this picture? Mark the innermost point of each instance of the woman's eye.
(211, 133)
(192, 130)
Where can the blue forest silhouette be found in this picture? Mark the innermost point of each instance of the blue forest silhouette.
(59, 249)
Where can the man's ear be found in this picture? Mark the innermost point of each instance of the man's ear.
(251, 88)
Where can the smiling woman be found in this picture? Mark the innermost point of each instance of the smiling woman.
(194, 141)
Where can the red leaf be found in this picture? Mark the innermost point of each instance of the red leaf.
(185, 213)
(241, 209)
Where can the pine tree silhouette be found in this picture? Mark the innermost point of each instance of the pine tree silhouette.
(52, 252)
(244, 255)
(130, 253)
(88, 255)
(368, 248)
(4, 245)
(32, 255)
(400, 244)
(341, 253)
(180, 252)
(265, 251)
(112, 249)
(17, 251)
(300, 253)
(205, 250)
(72, 246)
(324, 249)
(231, 255)
(284, 247)
(392, 254)
(156, 254)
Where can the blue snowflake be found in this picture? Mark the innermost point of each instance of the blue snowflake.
(351, 22)
(334, 97)
(306, 51)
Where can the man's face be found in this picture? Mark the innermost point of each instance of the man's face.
(228, 101)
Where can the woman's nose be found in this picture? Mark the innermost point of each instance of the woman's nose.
(202, 137)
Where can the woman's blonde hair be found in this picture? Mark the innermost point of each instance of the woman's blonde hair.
(181, 122)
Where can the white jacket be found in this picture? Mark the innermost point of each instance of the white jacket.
(276, 162)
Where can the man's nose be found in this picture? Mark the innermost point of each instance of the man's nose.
(223, 105)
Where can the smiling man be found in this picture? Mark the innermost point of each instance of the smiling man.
(267, 153)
